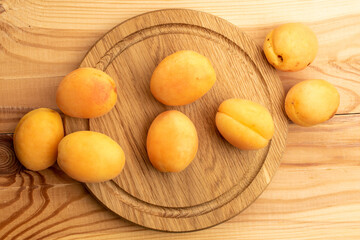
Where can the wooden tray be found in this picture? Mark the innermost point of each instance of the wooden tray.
(222, 180)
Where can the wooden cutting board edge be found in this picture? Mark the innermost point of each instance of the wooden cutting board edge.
(266, 171)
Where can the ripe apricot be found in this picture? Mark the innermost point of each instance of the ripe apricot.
(172, 141)
(86, 93)
(182, 78)
(291, 47)
(89, 156)
(311, 102)
(36, 138)
(245, 124)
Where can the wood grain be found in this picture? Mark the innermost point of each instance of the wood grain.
(309, 197)
(312, 196)
(41, 41)
(222, 180)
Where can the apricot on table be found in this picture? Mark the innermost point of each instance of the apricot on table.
(245, 124)
(88, 156)
(291, 47)
(181, 78)
(36, 138)
(172, 141)
(86, 93)
(312, 102)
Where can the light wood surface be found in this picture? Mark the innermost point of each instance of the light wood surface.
(315, 192)
(222, 180)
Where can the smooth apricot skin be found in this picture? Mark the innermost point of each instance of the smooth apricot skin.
(182, 78)
(312, 102)
(291, 47)
(244, 124)
(88, 156)
(36, 138)
(86, 93)
(172, 141)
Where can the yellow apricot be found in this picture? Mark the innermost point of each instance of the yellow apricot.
(36, 138)
(172, 141)
(89, 156)
(311, 102)
(182, 78)
(86, 93)
(245, 124)
(291, 47)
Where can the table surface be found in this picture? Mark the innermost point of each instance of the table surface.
(315, 194)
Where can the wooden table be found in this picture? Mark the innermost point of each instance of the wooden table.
(315, 194)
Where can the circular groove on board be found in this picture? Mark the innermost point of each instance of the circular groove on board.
(104, 62)
(204, 211)
(132, 40)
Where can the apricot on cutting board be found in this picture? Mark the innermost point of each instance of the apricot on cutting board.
(86, 93)
(291, 47)
(245, 124)
(182, 78)
(172, 141)
(36, 138)
(88, 156)
(311, 102)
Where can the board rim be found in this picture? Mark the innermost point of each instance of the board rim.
(266, 171)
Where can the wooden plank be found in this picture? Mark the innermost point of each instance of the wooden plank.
(309, 198)
(60, 32)
(41, 41)
(92, 14)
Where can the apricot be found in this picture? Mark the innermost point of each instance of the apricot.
(311, 102)
(86, 93)
(36, 138)
(245, 124)
(182, 78)
(172, 141)
(291, 47)
(88, 156)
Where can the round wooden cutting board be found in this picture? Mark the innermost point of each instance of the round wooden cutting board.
(222, 180)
